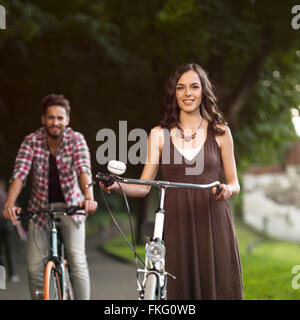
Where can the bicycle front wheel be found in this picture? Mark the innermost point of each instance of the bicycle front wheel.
(52, 286)
(151, 287)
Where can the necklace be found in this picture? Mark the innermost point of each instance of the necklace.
(189, 138)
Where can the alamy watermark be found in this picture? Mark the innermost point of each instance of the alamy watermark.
(145, 150)
(2, 17)
(296, 19)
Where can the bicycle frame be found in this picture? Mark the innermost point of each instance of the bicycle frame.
(56, 256)
(54, 237)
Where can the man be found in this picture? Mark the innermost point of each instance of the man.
(60, 162)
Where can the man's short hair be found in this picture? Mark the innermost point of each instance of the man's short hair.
(56, 100)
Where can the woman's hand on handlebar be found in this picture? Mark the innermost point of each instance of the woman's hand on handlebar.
(113, 187)
(225, 193)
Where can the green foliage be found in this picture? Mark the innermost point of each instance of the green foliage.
(266, 130)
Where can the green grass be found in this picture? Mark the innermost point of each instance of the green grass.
(118, 248)
(266, 264)
(101, 220)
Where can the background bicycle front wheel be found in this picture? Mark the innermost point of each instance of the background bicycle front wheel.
(52, 287)
(151, 287)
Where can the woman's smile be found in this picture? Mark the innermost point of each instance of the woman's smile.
(188, 102)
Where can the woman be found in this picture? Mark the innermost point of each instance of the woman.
(202, 250)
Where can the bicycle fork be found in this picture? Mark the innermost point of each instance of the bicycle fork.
(155, 254)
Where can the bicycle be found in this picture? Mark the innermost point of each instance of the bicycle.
(57, 282)
(152, 279)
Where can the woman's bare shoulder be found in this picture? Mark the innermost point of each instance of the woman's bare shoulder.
(225, 138)
(157, 128)
(223, 127)
(157, 131)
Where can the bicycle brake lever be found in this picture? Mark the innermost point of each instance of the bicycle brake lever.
(99, 177)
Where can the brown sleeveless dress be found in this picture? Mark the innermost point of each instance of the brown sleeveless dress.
(201, 246)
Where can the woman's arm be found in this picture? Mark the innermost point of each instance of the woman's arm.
(232, 186)
(155, 143)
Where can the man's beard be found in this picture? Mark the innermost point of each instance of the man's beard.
(54, 136)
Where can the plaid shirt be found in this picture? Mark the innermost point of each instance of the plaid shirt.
(72, 158)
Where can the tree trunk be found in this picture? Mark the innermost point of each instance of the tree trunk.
(244, 88)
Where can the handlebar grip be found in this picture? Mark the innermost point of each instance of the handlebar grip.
(108, 181)
(18, 215)
(105, 178)
(24, 214)
(77, 213)
(75, 210)
(219, 190)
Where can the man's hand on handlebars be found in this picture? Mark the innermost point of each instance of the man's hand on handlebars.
(9, 212)
(89, 205)
(113, 187)
(225, 194)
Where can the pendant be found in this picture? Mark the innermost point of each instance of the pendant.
(187, 138)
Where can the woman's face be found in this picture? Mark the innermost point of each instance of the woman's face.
(189, 92)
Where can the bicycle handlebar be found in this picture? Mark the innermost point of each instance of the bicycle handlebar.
(109, 179)
(167, 184)
(70, 211)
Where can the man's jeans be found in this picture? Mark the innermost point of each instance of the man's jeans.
(38, 250)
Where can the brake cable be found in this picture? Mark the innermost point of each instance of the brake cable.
(132, 246)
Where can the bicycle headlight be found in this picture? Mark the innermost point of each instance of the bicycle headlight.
(155, 251)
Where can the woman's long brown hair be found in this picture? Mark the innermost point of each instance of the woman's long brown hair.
(208, 107)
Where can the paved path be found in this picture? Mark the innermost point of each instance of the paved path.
(110, 279)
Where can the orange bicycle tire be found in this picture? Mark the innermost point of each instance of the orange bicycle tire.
(50, 274)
